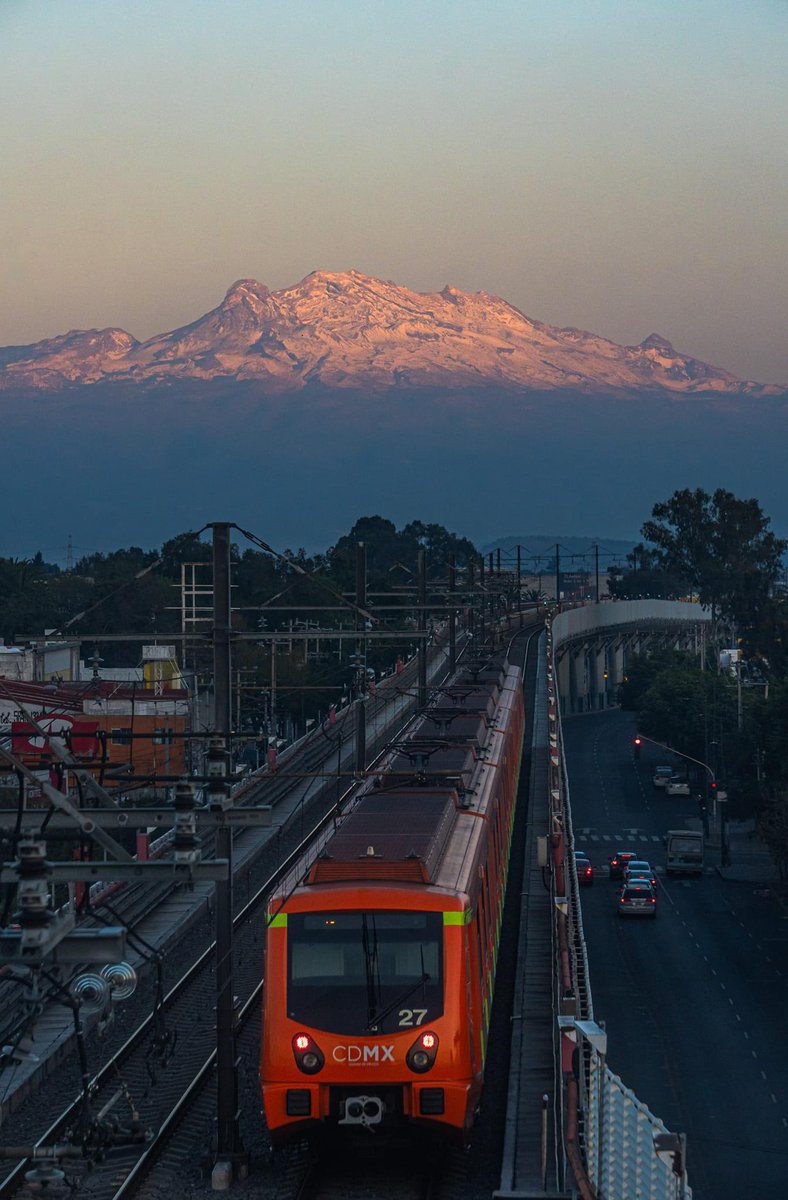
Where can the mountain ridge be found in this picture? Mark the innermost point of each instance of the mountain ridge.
(346, 331)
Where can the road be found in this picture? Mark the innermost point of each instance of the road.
(695, 1001)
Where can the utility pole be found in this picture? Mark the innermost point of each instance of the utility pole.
(557, 573)
(519, 588)
(596, 571)
(498, 562)
(483, 604)
(471, 611)
(229, 1149)
(422, 652)
(361, 659)
(452, 615)
(272, 719)
(489, 584)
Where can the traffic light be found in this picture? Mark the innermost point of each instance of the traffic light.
(636, 747)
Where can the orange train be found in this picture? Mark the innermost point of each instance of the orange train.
(380, 966)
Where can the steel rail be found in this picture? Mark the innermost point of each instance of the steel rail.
(201, 1079)
(178, 1112)
(15, 1178)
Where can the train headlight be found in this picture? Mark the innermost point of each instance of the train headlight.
(422, 1053)
(308, 1055)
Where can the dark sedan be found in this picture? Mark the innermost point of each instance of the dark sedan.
(584, 868)
(619, 862)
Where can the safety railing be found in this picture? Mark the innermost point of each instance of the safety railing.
(616, 1147)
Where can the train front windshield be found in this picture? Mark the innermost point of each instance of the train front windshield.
(364, 973)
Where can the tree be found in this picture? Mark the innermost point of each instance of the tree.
(392, 555)
(720, 545)
(644, 576)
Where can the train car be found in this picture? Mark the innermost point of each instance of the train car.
(379, 967)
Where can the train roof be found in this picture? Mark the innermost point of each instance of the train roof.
(420, 820)
(396, 834)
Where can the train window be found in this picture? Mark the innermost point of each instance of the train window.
(479, 940)
(364, 973)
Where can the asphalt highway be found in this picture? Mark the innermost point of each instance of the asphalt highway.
(694, 1002)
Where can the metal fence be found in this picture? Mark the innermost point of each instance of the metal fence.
(631, 1154)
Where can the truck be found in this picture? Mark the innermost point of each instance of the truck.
(684, 852)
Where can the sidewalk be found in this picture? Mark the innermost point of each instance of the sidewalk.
(750, 859)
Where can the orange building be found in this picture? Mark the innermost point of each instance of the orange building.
(106, 724)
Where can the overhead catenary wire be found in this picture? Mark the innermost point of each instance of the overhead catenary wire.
(329, 587)
(127, 583)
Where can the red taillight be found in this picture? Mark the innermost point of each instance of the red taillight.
(623, 899)
(653, 899)
(422, 1053)
(588, 870)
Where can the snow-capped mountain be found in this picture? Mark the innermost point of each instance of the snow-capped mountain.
(350, 331)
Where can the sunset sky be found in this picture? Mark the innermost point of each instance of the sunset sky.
(617, 166)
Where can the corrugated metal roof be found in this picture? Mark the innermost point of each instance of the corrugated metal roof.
(391, 834)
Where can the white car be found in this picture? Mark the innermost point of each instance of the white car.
(638, 868)
(677, 787)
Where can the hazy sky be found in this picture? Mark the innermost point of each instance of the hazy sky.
(619, 165)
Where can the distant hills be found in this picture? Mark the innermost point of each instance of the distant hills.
(295, 412)
(349, 332)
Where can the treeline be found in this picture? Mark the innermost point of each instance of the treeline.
(730, 712)
(138, 592)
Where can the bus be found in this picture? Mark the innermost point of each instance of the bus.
(684, 852)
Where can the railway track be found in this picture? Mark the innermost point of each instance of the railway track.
(150, 1095)
(133, 903)
(369, 1173)
(145, 1087)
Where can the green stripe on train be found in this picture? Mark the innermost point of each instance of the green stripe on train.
(457, 918)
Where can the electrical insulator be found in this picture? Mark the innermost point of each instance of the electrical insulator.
(34, 914)
(186, 844)
(217, 771)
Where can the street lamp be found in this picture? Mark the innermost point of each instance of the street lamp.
(716, 795)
